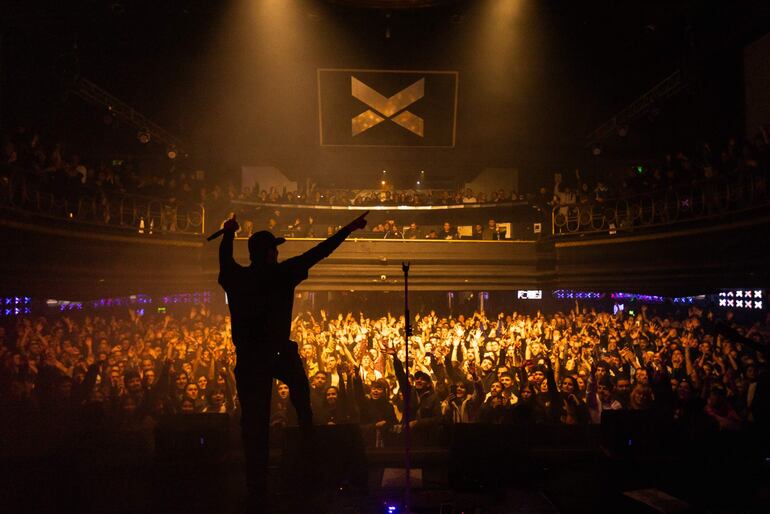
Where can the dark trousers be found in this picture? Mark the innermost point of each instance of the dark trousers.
(254, 377)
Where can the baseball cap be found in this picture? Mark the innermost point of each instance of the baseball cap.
(262, 240)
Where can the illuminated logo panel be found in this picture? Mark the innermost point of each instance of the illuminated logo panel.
(389, 108)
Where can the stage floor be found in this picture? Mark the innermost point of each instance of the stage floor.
(546, 482)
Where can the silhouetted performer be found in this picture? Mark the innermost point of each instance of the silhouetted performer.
(261, 297)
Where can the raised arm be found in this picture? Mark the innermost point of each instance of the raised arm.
(401, 376)
(226, 261)
(325, 248)
(349, 357)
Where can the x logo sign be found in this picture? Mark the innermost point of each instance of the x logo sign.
(387, 107)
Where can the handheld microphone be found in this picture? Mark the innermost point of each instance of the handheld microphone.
(215, 234)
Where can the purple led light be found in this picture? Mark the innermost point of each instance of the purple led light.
(641, 297)
(568, 294)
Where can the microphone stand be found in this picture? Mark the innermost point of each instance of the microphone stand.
(407, 394)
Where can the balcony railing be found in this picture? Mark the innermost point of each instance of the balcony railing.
(26, 194)
(515, 220)
(704, 200)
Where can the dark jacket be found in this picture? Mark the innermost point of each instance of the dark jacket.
(261, 297)
(424, 407)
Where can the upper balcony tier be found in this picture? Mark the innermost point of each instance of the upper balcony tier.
(689, 239)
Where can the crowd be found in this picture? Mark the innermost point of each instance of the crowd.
(122, 372)
(275, 212)
(115, 372)
(383, 227)
(385, 197)
(54, 166)
(511, 368)
(54, 163)
(706, 161)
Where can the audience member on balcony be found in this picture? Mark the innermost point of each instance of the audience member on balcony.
(448, 232)
(469, 196)
(297, 228)
(492, 232)
(601, 192)
(247, 229)
(392, 231)
(412, 231)
(563, 195)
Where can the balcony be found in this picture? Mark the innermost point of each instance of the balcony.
(28, 201)
(685, 240)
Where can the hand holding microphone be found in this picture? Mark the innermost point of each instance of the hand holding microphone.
(230, 225)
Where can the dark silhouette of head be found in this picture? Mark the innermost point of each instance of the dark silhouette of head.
(263, 247)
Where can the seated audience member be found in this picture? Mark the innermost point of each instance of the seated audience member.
(448, 232)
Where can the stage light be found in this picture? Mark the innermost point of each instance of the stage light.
(530, 294)
(382, 182)
(641, 297)
(15, 305)
(568, 294)
(418, 182)
(391, 509)
(143, 136)
(171, 152)
(741, 298)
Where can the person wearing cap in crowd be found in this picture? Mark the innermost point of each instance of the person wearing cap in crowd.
(424, 404)
(260, 298)
(427, 404)
(488, 374)
(376, 412)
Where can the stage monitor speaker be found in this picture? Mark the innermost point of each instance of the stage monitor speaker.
(340, 457)
(480, 454)
(198, 437)
(625, 433)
